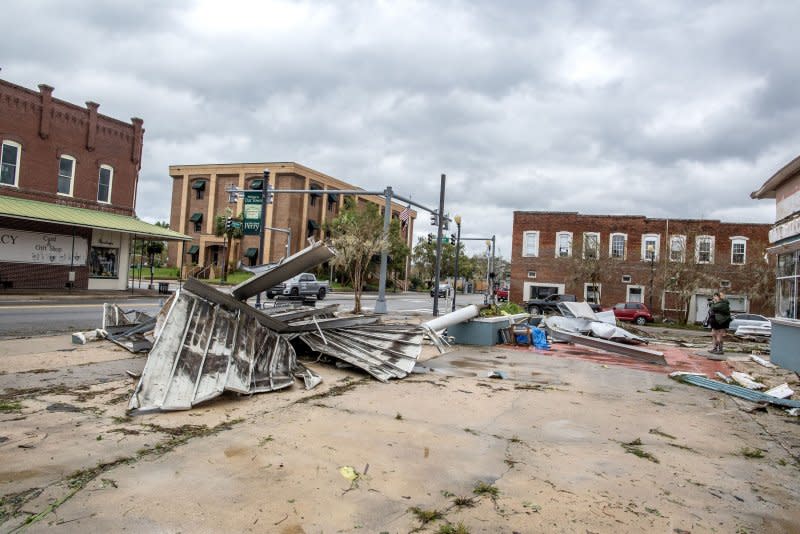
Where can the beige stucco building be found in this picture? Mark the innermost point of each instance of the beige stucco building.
(200, 194)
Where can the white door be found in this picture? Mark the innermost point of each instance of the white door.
(635, 294)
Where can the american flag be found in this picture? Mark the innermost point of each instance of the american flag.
(405, 214)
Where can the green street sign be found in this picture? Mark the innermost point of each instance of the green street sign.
(236, 225)
(445, 240)
(251, 215)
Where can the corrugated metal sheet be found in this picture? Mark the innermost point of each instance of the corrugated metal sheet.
(205, 349)
(383, 351)
(736, 391)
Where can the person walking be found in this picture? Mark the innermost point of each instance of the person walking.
(719, 319)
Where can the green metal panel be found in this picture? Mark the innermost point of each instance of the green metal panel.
(33, 210)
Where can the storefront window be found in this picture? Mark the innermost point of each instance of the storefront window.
(788, 279)
(103, 262)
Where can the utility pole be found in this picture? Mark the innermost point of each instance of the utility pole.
(264, 189)
(438, 248)
(457, 219)
(380, 304)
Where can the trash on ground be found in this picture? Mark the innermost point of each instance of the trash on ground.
(782, 391)
(743, 379)
(762, 361)
(569, 329)
(732, 389)
(82, 338)
(497, 374)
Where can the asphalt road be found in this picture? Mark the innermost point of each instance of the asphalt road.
(44, 318)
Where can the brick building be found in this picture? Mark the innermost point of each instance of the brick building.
(68, 180)
(784, 240)
(673, 265)
(199, 195)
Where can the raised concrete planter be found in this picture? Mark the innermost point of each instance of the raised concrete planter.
(482, 330)
(784, 342)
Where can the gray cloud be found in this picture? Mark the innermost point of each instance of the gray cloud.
(669, 109)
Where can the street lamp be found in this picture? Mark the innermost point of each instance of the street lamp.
(651, 251)
(457, 219)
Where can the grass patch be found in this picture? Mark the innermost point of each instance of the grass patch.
(531, 506)
(264, 441)
(450, 528)
(661, 389)
(485, 489)
(747, 452)
(464, 502)
(635, 448)
(334, 391)
(10, 406)
(470, 431)
(679, 446)
(425, 516)
(658, 432)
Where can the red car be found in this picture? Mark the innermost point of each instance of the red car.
(633, 311)
(501, 294)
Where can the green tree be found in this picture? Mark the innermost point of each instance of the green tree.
(232, 234)
(357, 235)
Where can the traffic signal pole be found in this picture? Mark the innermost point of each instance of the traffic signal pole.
(261, 234)
(438, 248)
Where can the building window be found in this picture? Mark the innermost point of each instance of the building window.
(738, 250)
(531, 274)
(617, 246)
(66, 175)
(650, 246)
(591, 245)
(530, 244)
(704, 249)
(725, 283)
(199, 187)
(788, 279)
(197, 219)
(9, 168)
(591, 293)
(677, 248)
(104, 184)
(626, 279)
(563, 244)
(103, 262)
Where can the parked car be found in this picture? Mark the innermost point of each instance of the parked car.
(749, 319)
(633, 311)
(501, 294)
(444, 289)
(550, 303)
(305, 285)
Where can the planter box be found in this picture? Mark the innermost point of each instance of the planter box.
(482, 330)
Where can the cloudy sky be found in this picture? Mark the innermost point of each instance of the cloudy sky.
(664, 109)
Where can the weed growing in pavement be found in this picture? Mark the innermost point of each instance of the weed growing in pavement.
(425, 516)
(661, 389)
(464, 502)
(634, 447)
(747, 452)
(399, 416)
(10, 406)
(483, 488)
(450, 528)
(658, 432)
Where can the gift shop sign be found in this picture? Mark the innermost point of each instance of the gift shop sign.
(35, 247)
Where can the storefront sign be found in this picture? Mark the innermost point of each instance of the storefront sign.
(251, 215)
(34, 247)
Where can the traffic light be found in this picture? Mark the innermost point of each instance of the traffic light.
(453, 238)
(434, 219)
(228, 224)
(446, 222)
(267, 191)
(430, 239)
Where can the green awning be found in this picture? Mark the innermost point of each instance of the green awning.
(199, 185)
(312, 224)
(257, 184)
(196, 217)
(333, 197)
(251, 253)
(316, 187)
(194, 249)
(33, 210)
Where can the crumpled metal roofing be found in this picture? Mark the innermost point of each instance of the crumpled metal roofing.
(736, 391)
(205, 349)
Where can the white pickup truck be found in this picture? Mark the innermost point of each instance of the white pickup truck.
(304, 285)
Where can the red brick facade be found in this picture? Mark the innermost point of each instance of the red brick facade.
(47, 128)
(632, 274)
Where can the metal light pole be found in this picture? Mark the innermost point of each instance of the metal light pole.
(380, 304)
(438, 249)
(264, 189)
(457, 219)
(652, 252)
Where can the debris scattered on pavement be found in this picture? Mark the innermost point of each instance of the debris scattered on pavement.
(732, 389)
(762, 361)
(82, 338)
(745, 380)
(782, 391)
(497, 374)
